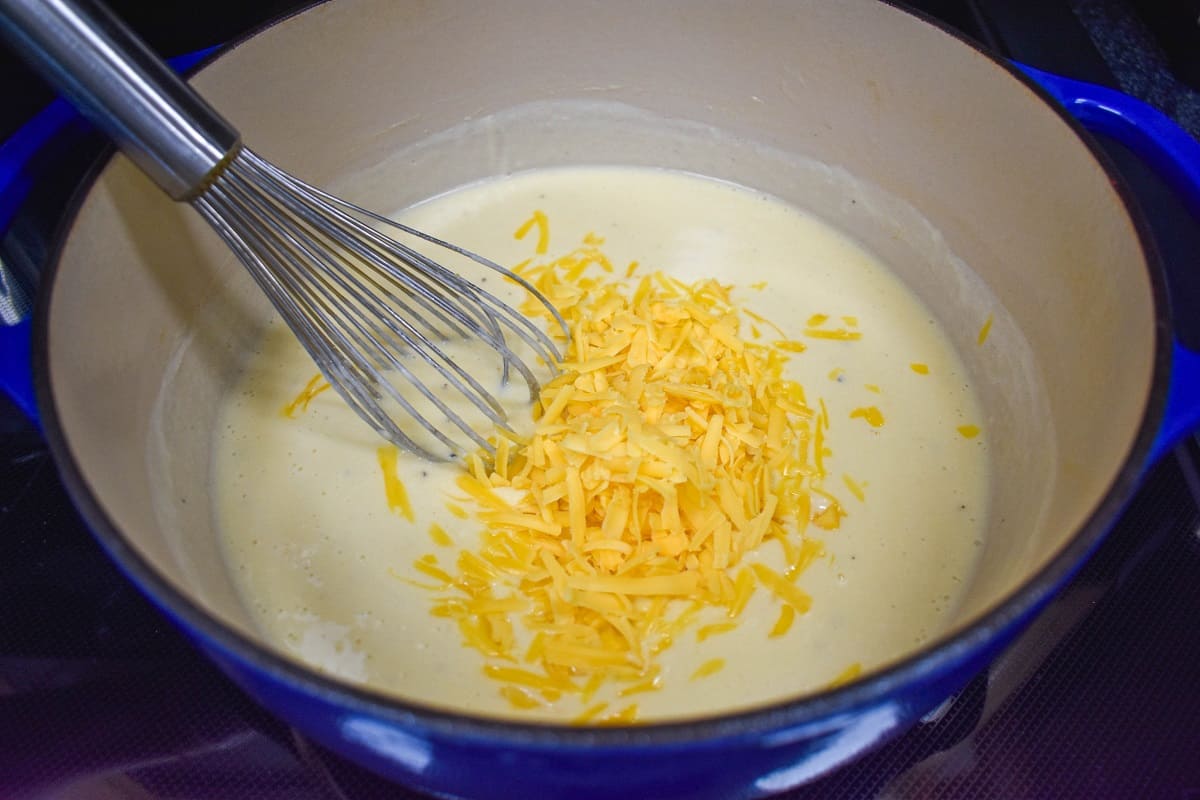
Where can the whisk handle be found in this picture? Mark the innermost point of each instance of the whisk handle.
(127, 91)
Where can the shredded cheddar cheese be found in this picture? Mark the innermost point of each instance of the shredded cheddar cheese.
(439, 536)
(430, 568)
(519, 698)
(985, 330)
(638, 688)
(714, 629)
(845, 676)
(667, 450)
(590, 713)
(872, 415)
(710, 667)
(799, 558)
(787, 615)
(783, 588)
(855, 488)
(625, 715)
(543, 225)
(840, 334)
(314, 387)
(393, 487)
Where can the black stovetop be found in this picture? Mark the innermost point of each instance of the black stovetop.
(101, 698)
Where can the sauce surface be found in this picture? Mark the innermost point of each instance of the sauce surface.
(325, 565)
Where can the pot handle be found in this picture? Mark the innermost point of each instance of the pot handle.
(1174, 155)
(17, 175)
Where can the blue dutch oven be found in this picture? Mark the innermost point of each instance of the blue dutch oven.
(140, 319)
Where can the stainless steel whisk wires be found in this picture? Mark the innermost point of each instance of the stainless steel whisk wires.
(357, 299)
(367, 308)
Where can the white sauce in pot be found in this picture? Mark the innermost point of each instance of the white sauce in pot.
(320, 559)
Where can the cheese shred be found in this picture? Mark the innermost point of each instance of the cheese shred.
(393, 487)
(984, 330)
(846, 676)
(668, 449)
(314, 387)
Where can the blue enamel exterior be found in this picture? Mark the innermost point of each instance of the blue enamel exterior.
(752, 757)
(1175, 156)
(16, 375)
(16, 379)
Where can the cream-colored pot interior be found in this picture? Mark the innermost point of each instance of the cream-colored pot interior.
(924, 150)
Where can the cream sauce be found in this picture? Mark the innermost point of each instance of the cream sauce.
(321, 561)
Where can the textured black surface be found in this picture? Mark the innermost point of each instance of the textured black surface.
(1136, 53)
(1175, 24)
(1110, 711)
(101, 698)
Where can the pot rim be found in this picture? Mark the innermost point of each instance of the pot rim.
(941, 656)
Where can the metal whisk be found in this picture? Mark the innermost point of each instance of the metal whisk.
(367, 308)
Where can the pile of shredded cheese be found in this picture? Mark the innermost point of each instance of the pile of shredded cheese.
(669, 446)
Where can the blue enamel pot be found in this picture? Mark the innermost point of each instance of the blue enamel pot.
(992, 190)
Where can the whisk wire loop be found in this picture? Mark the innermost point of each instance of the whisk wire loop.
(336, 351)
(363, 304)
(439, 291)
(423, 280)
(336, 357)
(545, 343)
(331, 286)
